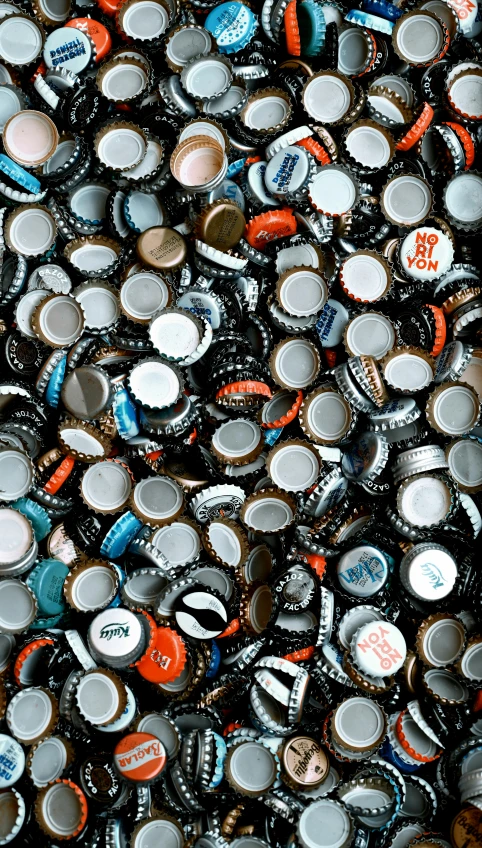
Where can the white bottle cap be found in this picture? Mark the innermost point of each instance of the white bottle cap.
(325, 824)
(115, 635)
(106, 486)
(179, 542)
(20, 40)
(12, 761)
(175, 334)
(328, 97)
(333, 191)
(295, 363)
(425, 500)
(358, 723)
(31, 713)
(31, 231)
(99, 696)
(407, 199)
(369, 146)
(16, 536)
(378, 648)
(426, 253)
(48, 762)
(463, 198)
(302, 292)
(154, 384)
(370, 334)
(16, 473)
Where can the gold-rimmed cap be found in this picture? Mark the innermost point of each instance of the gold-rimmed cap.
(301, 291)
(65, 823)
(220, 224)
(294, 465)
(225, 542)
(285, 368)
(365, 276)
(158, 826)
(109, 154)
(108, 687)
(404, 45)
(404, 358)
(304, 762)
(39, 714)
(196, 35)
(118, 65)
(36, 126)
(161, 248)
(461, 298)
(372, 371)
(237, 441)
(30, 230)
(355, 718)
(63, 746)
(199, 163)
(356, 156)
(378, 686)
(268, 511)
(82, 440)
(394, 102)
(328, 96)
(157, 501)
(49, 320)
(139, 291)
(124, 12)
(253, 103)
(457, 417)
(432, 629)
(84, 243)
(79, 586)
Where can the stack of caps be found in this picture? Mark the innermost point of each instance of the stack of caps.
(240, 424)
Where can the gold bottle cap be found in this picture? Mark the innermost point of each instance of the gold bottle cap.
(295, 363)
(294, 465)
(372, 372)
(388, 105)
(157, 501)
(268, 511)
(161, 248)
(48, 759)
(83, 441)
(325, 416)
(30, 230)
(408, 369)
(238, 441)
(58, 320)
(199, 163)
(225, 542)
(440, 639)
(31, 714)
(453, 409)
(369, 334)
(101, 697)
(60, 546)
(365, 276)
(301, 291)
(461, 298)
(120, 145)
(61, 809)
(420, 38)
(220, 224)
(305, 763)
(91, 586)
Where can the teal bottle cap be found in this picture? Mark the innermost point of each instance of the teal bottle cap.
(47, 581)
(37, 515)
(233, 26)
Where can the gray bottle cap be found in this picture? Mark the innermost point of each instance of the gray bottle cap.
(106, 486)
(164, 728)
(18, 606)
(325, 824)
(16, 473)
(86, 392)
(179, 542)
(48, 761)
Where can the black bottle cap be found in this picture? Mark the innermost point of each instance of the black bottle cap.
(84, 107)
(296, 589)
(100, 781)
(414, 327)
(23, 356)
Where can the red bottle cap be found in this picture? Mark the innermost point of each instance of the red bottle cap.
(165, 659)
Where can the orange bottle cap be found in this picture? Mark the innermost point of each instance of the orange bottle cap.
(99, 34)
(60, 475)
(316, 149)
(292, 30)
(417, 130)
(140, 757)
(440, 329)
(270, 226)
(165, 659)
(466, 140)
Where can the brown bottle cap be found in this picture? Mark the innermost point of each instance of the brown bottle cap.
(238, 441)
(31, 714)
(256, 608)
(101, 697)
(251, 768)
(305, 763)
(83, 441)
(325, 416)
(48, 759)
(267, 111)
(268, 511)
(408, 369)
(294, 465)
(295, 363)
(120, 145)
(157, 501)
(440, 639)
(58, 320)
(220, 224)
(453, 408)
(225, 542)
(161, 248)
(301, 291)
(91, 586)
(61, 809)
(466, 828)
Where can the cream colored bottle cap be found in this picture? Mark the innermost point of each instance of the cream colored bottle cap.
(157, 500)
(30, 138)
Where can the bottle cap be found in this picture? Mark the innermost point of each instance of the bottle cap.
(453, 409)
(408, 369)
(46, 581)
(428, 571)
(365, 276)
(140, 758)
(301, 291)
(48, 759)
(325, 416)
(328, 97)
(440, 639)
(464, 90)
(21, 40)
(238, 442)
(17, 471)
(61, 810)
(142, 295)
(116, 637)
(12, 761)
(464, 457)
(100, 782)
(18, 606)
(221, 224)
(225, 543)
(325, 824)
(420, 38)
(155, 384)
(179, 542)
(185, 43)
(143, 20)
(101, 697)
(58, 320)
(162, 829)
(91, 585)
(333, 191)
(164, 728)
(378, 649)
(106, 487)
(304, 762)
(406, 200)
(233, 25)
(207, 77)
(369, 334)
(463, 200)
(71, 50)
(17, 534)
(30, 138)
(157, 501)
(267, 112)
(31, 714)
(161, 248)
(251, 768)
(358, 724)
(30, 230)
(293, 465)
(199, 163)
(362, 571)
(268, 511)
(165, 658)
(426, 253)
(294, 363)
(425, 500)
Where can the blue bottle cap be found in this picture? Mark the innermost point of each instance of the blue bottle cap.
(120, 535)
(37, 515)
(362, 571)
(54, 385)
(215, 661)
(12, 761)
(19, 175)
(125, 414)
(117, 601)
(46, 580)
(383, 9)
(312, 25)
(233, 26)
(365, 19)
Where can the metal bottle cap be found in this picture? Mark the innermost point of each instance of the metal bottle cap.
(378, 648)
(428, 571)
(116, 637)
(362, 571)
